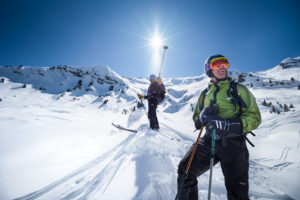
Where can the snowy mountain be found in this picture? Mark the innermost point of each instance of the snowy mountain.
(57, 141)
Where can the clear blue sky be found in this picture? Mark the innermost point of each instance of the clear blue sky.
(255, 35)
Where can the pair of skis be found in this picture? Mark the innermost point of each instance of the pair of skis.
(123, 128)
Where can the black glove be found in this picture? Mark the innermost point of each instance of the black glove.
(198, 123)
(209, 118)
(207, 113)
(224, 126)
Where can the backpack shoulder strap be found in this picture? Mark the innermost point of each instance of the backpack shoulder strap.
(237, 99)
(204, 95)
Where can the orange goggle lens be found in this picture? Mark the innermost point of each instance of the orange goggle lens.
(218, 63)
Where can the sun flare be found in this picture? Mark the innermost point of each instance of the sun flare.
(156, 42)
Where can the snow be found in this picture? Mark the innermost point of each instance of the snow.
(59, 144)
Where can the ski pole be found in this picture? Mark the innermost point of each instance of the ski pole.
(211, 161)
(144, 108)
(189, 163)
(165, 48)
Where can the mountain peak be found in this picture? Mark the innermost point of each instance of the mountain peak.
(290, 63)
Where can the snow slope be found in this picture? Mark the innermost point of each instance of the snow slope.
(57, 141)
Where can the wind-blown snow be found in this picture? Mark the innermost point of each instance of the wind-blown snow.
(57, 141)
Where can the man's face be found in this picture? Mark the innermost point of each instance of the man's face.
(221, 72)
(152, 80)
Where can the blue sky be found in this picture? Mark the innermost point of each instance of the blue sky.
(254, 35)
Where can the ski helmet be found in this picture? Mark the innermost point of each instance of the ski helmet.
(207, 67)
(152, 76)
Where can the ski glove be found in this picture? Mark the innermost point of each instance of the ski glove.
(140, 96)
(206, 114)
(198, 123)
(224, 127)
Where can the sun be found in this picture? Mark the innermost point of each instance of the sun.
(156, 42)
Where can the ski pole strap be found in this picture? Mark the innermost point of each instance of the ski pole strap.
(244, 135)
(249, 141)
(252, 133)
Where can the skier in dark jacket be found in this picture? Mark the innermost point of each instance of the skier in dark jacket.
(217, 110)
(154, 96)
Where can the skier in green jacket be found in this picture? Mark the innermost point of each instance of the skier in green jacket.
(230, 109)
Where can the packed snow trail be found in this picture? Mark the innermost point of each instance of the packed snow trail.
(144, 160)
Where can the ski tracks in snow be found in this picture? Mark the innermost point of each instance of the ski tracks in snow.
(80, 184)
(284, 153)
(154, 155)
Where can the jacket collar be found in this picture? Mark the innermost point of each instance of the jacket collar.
(221, 82)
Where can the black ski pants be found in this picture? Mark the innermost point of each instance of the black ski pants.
(234, 159)
(152, 105)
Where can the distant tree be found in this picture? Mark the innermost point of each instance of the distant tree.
(105, 101)
(91, 83)
(270, 81)
(241, 78)
(264, 103)
(251, 85)
(24, 86)
(79, 83)
(278, 112)
(0, 99)
(2, 80)
(133, 109)
(292, 79)
(111, 87)
(291, 106)
(286, 108)
(140, 104)
(281, 83)
(257, 79)
(192, 107)
(273, 109)
(298, 87)
(68, 90)
(280, 105)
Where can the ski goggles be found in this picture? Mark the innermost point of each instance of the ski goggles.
(217, 63)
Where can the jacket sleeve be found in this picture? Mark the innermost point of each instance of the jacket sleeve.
(197, 109)
(250, 115)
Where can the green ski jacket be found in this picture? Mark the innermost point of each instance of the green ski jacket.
(249, 113)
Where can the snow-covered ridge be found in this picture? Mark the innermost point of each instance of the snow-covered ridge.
(287, 69)
(98, 80)
(57, 143)
(290, 63)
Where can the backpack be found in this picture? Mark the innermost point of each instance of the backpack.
(236, 100)
(162, 92)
